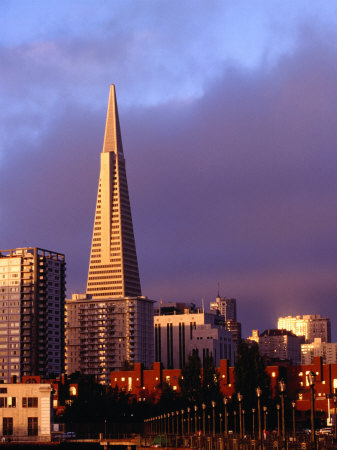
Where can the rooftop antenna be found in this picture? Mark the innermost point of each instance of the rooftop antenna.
(218, 289)
(202, 305)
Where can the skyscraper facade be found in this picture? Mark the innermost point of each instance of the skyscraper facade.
(112, 323)
(32, 294)
(226, 306)
(113, 267)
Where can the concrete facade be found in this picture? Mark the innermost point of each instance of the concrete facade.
(176, 335)
(280, 344)
(26, 412)
(326, 350)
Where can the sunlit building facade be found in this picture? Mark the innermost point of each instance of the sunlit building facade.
(32, 294)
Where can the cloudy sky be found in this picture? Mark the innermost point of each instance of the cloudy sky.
(228, 112)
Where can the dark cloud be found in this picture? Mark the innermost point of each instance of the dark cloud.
(237, 186)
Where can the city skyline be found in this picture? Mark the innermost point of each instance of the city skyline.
(229, 132)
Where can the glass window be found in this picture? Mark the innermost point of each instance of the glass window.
(32, 426)
(7, 426)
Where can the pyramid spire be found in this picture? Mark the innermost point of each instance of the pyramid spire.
(113, 267)
(112, 135)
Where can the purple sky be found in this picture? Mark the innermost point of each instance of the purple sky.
(228, 115)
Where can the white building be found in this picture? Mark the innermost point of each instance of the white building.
(310, 326)
(176, 335)
(26, 412)
(327, 350)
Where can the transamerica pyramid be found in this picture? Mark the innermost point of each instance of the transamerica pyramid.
(113, 267)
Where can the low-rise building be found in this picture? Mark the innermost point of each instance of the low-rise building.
(26, 412)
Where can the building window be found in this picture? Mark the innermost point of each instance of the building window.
(3, 402)
(7, 426)
(32, 426)
(29, 402)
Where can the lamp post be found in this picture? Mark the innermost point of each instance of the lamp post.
(282, 385)
(253, 412)
(265, 412)
(243, 423)
(182, 422)
(278, 420)
(177, 422)
(258, 393)
(240, 397)
(334, 398)
(188, 420)
(195, 419)
(164, 423)
(293, 404)
(168, 423)
(172, 421)
(225, 401)
(220, 423)
(234, 414)
(311, 378)
(203, 406)
(209, 423)
(213, 418)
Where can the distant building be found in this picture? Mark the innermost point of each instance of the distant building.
(280, 345)
(32, 293)
(254, 337)
(176, 335)
(112, 323)
(26, 412)
(310, 326)
(226, 306)
(326, 350)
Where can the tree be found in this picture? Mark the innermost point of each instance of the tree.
(190, 382)
(210, 382)
(250, 372)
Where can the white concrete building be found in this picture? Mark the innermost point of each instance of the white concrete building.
(26, 412)
(327, 350)
(310, 326)
(176, 335)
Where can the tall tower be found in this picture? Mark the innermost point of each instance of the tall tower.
(113, 267)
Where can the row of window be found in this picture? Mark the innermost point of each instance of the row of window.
(10, 402)
(32, 426)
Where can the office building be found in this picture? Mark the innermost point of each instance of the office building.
(226, 306)
(112, 323)
(280, 345)
(32, 293)
(326, 350)
(310, 326)
(176, 335)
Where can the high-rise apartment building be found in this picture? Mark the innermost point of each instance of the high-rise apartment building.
(32, 293)
(310, 326)
(112, 323)
(280, 345)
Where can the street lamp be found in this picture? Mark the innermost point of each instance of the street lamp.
(293, 404)
(243, 423)
(172, 421)
(182, 422)
(240, 397)
(234, 413)
(209, 423)
(220, 423)
(168, 423)
(311, 378)
(253, 411)
(177, 422)
(213, 417)
(188, 420)
(225, 401)
(195, 419)
(334, 398)
(203, 418)
(282, 385)
(259, 393)
(265, 412)
(278, 420)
